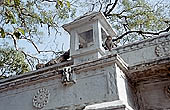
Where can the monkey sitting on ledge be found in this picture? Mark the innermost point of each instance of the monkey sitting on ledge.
(39, 66)
(108, 44)
(60, 59)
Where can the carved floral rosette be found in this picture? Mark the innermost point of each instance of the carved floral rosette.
(162, 49)
(167, 91)
(41, 98)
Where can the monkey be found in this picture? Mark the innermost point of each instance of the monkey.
(108, 43)
(60, 59)
(39, 66)
(66, 55)
(80, 46)
(51, 62)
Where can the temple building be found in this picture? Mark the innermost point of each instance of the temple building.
(135, 76)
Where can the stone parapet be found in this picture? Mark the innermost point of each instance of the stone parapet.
(137, 78)
(33, 77)
(152, 70)
(157, 40)
(95, 82)
(145, 50)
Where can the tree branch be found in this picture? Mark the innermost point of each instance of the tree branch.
(141, 33)
(14, 39)
(28, 60)
(101, 5)
(40, 51)
(106, 13)
(35, 46)
(50, 51)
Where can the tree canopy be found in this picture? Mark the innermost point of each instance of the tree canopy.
(135, 19)
(20, 19)
(12, 63)
(132, 19)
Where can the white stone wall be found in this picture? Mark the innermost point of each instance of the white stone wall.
(98, 85)
(104, 82)
(145, 50)
(125, 89)
(154, 96)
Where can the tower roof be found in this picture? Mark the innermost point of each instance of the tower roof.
(89, 18)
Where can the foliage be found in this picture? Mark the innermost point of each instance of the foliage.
(23, 20)
(141, 17)
(23, 17)
(12, 63)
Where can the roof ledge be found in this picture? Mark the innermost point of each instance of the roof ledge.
(153, 69)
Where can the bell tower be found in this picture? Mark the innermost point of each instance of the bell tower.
(87, 33)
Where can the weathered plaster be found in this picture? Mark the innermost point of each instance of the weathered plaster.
(153, 97)
(142, 51)
(95, 83)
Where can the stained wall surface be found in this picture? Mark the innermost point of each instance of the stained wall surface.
(94, 85)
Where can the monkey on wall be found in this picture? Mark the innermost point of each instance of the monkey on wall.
(64, 57)
(60, 59)
(108, 44)
(39, 66)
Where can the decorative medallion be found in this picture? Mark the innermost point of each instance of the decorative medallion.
(163, 49)
(41, 98)
(167, 91)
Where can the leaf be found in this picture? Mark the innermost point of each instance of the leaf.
(10, 17)
(7, 21)
(17, 2)
(12, 61)
(9, 14)
(2, 32)
(21, 31)
(7, 2)
(13, 21)
(60, 3)
(17, 34)
(56, 6)
(68, 4)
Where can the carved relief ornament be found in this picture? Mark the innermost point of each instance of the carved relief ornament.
(68, 76)
(41, 98)
(162, 49)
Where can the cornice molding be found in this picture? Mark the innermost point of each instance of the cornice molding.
(102, 62)
(153, 69)
(142, 44)
(54, 72)
(33, 77)
(135, 73)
